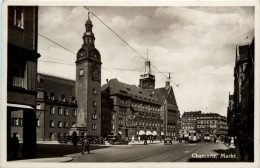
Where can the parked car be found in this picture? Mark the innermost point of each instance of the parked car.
(63, 139)
(116, 140)
(167, 140)
(112, 139)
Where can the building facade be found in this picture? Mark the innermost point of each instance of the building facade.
(242, 111)
(56, 107)
(141, 110)
(21, 77)
(212, 123)
(189, 121)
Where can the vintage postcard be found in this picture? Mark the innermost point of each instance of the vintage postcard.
(132, 84)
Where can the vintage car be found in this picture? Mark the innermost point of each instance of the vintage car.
(168, 140)
(116, 140)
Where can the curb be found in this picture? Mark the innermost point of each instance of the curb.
(58, 159)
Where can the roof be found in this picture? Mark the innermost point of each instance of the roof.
(56, 85)
(158, 95)
(117, 87)
(191, 112)
(166, 94)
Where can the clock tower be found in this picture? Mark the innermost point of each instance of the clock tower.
(88, 85)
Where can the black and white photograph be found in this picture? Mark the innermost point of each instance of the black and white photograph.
(139, 85)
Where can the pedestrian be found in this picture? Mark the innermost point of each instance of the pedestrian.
(139, 138)
(133, 138)
(85, 146)
(152, 138)
(145, 140)
(15, 145)
(74, 141)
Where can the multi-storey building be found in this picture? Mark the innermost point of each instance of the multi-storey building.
(142, 110)
(21, 76)
(135, 110)
(212, 123)
(189, 121)
(56, 107)
(241, 115)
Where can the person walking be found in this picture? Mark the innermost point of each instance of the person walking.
(145, 140)
(74, 141)
(15, 145)
(133, 138)
(139, 138)
(85, 146)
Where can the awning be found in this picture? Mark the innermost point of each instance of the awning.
(141, 132)
(148, 133)
(154, 133)
(19, 106)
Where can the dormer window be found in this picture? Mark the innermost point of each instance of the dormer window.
(81, 54)
(73, 100)
(52, 97)
(62, 98)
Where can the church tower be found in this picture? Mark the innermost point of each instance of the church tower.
(88, 85)
(147, 80)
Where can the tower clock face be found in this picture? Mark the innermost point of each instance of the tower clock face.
(95, 73)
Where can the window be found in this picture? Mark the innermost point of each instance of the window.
(60, 111)
(66, 111)
(74, 112)
(113, 117)
(94, 126)
(52, 110)
(94, 116)
(52, 97)
(94, 91)
(38, 123)
(38, 106)
(113, 126)
(60, 124)
(120, 121)
(63, 99)
(52, 124)
(17, 122)
(73, 123)
(19, 17)
(94, 103)
(81, 72)
(66, 124)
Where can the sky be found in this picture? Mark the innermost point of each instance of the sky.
(197, 45)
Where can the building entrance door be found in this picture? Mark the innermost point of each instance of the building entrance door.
(126, 132)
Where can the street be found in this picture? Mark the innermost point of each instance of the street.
(158, 152)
